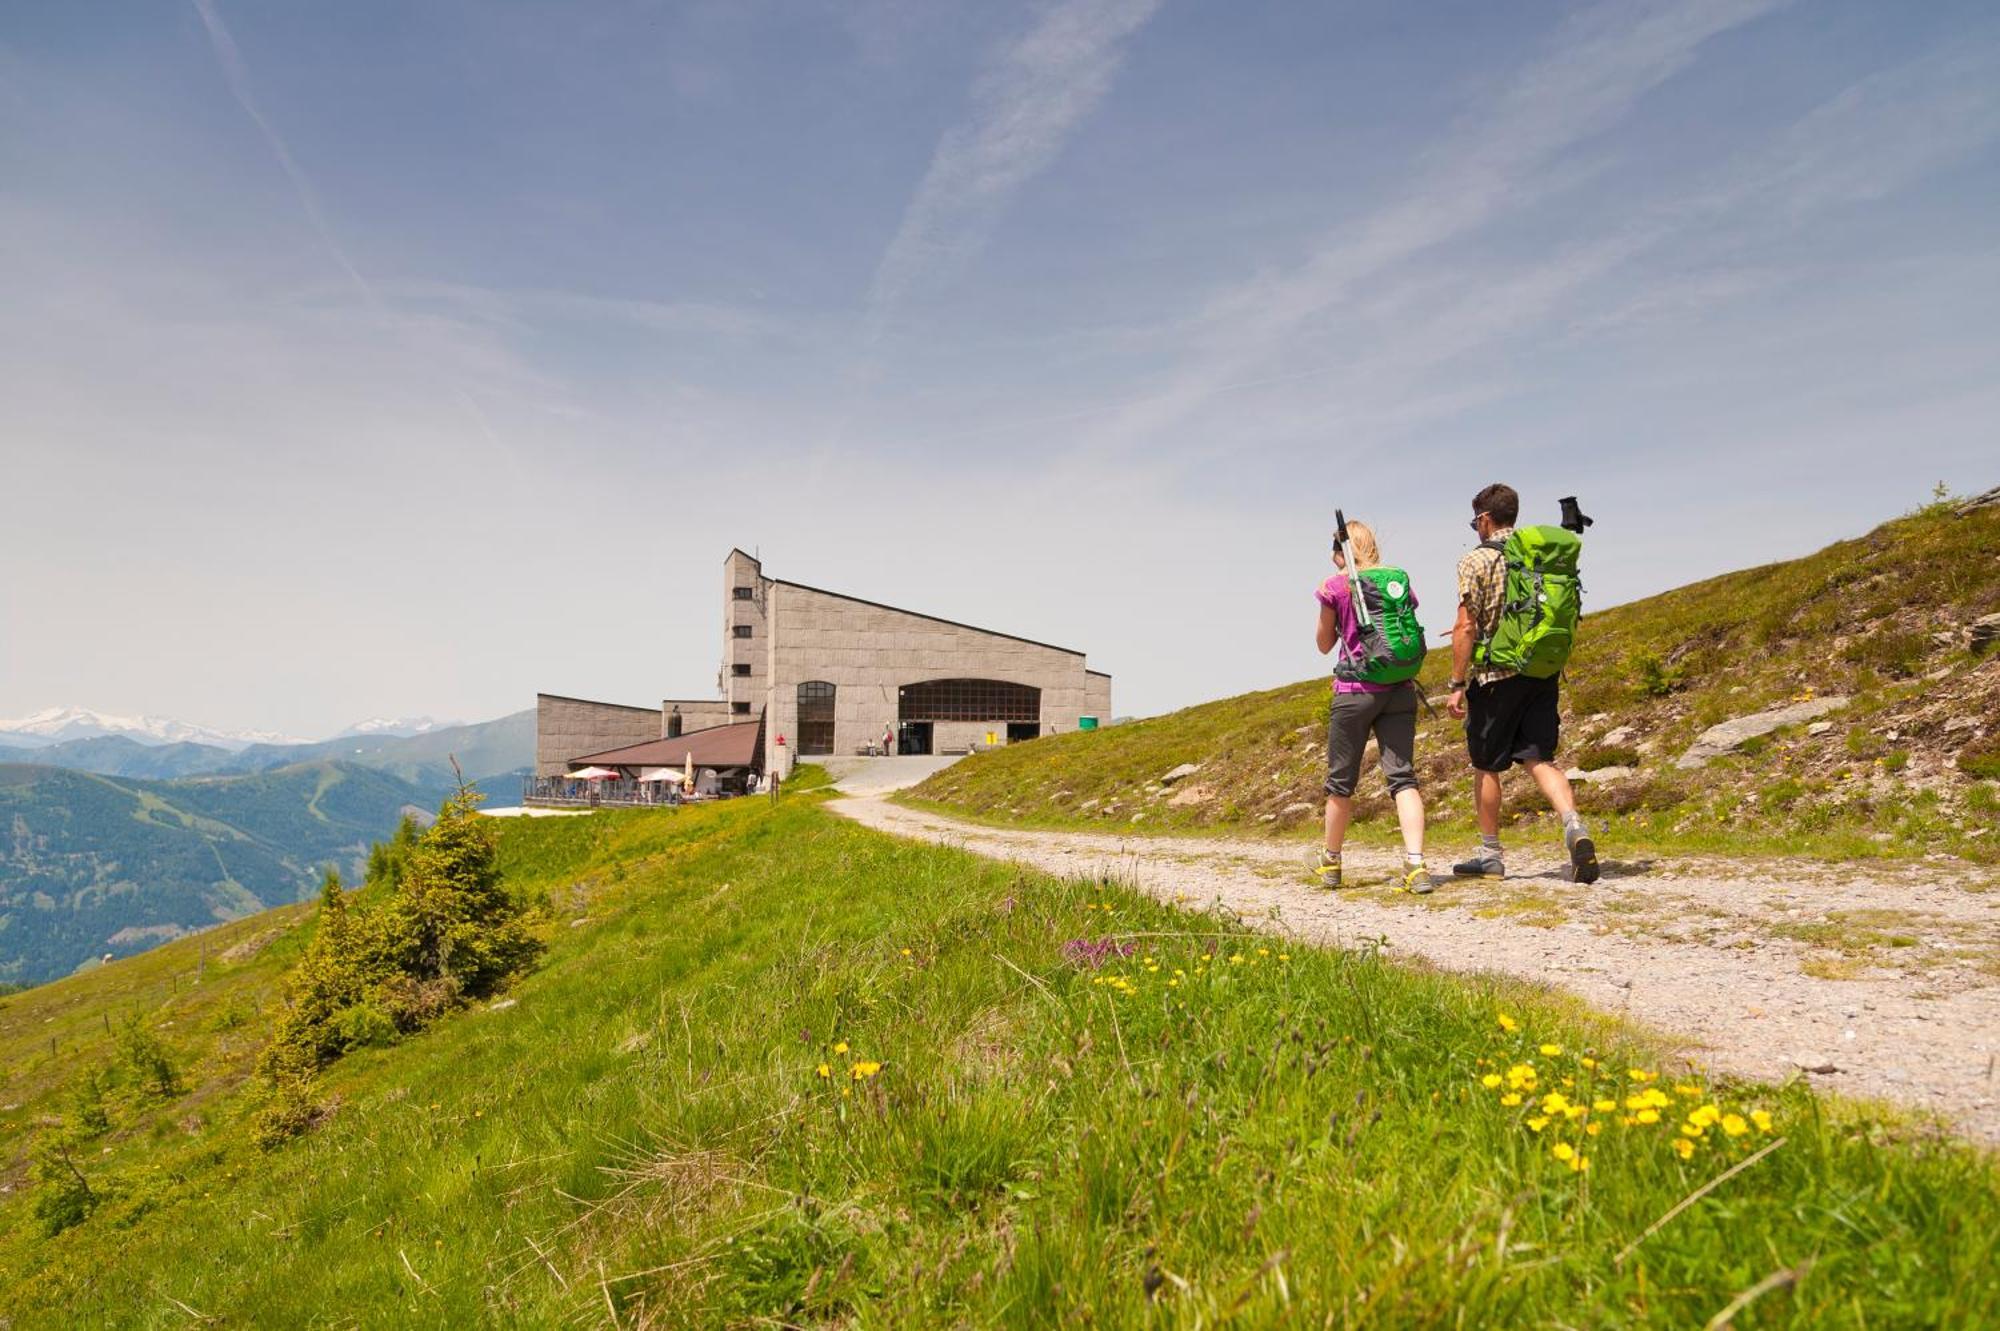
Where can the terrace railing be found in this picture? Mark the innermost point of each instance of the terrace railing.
(563, 793)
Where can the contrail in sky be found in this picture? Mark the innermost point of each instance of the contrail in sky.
(237, 75)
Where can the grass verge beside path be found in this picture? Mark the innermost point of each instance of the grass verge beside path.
(778, 1069)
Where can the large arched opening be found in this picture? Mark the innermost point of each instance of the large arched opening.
(963, 705)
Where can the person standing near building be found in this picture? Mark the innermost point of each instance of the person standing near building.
(1361, 708)
(888, 741)
(1509, 717)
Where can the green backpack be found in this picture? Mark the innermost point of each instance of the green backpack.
(1392, 641)
(1542, 602)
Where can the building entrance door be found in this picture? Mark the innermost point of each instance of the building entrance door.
(1019, 731)
(913, 737)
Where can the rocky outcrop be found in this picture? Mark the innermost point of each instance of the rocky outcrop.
(1179, 773)
(1991, 499)
(1720, 739)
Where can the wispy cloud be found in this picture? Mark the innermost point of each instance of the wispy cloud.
(1502, 157)
(237, 75)
(1025, 106)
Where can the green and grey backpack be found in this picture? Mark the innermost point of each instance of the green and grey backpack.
(1392, 641)
(1540, 607)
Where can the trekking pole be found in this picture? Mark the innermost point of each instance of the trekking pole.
(1354, 595)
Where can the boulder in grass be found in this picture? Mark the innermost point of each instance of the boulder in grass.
(1182, 772)
(1720, 739)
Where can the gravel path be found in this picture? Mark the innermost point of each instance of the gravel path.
(1877, 982)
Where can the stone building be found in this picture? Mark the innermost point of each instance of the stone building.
(830, 674)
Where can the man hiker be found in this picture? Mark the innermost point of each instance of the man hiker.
(1510, 714)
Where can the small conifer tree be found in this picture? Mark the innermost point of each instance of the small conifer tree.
(146, 1061)
(451, 919)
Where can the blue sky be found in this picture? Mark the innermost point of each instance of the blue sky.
(373, 358)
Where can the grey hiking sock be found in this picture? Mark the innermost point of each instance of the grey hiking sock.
(1490, 843)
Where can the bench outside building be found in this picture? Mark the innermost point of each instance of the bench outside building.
(830, 673)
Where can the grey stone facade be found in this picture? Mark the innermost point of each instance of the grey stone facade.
(778, 635)
(566, 727)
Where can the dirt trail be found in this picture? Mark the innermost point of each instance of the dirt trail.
(1899, 993)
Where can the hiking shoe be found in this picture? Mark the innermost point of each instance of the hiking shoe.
(1484, 864)
(1418, 879)
(1582, 857)
(1325, 870)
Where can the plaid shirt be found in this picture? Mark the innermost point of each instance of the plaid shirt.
(1482, 588)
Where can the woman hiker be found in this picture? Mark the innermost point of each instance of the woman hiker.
(1387, 711)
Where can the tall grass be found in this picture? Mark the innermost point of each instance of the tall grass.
(1209, 1125)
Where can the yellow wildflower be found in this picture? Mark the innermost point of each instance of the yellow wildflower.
(1762, 1119)
(1563, 1151)
(1646, 1116)
(1551, 1050)
(1491, 1081)
(1593, 1128)
(1656, 1097)
(1537, 1123)
(840, 1047)
(1692, 1092)
(1734, 1125)
(1706, 1116)
(1692, 1129)
(1554, 1102)
(1578, 1165)
(1236, 958)
(1572, 1113)
(1588, 1062)
(1683, 1147)
(906, 952)
(1508, 1024)
(864, 1069)
(1511, 1099)
(1604, 1106)
(824, 1070)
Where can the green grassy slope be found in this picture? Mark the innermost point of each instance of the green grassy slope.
(1017, 1126)
(94, 864)
(1881, 618)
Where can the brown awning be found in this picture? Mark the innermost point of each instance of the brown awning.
(717, 746)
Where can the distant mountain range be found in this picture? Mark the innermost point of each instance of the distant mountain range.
(114, 843)
(55, 725)
(423, 756)
(92, 864)
(399, 725)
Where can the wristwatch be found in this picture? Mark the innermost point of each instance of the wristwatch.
(1456, 686)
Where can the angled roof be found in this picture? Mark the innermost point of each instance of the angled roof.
(918, 614)
(717, 746)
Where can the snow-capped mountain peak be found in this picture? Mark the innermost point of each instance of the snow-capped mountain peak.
(397, 726)
(54, 725)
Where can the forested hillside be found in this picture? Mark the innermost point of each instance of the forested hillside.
(91, 864)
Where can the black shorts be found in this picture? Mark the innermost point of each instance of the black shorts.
(1512, 720)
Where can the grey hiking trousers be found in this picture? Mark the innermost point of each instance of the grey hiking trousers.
(1392, 718)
